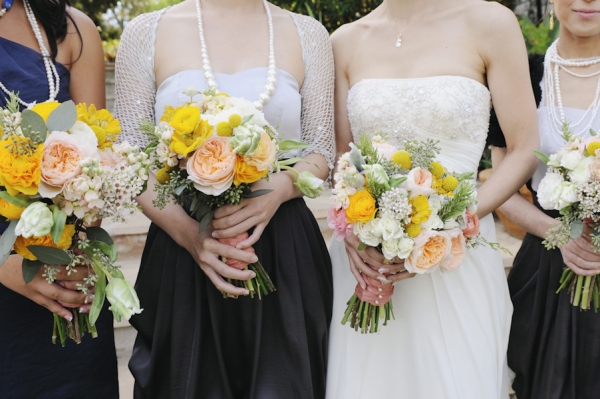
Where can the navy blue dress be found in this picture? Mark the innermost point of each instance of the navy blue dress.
(30, 365)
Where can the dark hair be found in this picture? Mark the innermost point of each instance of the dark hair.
(54, 18)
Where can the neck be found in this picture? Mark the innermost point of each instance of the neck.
(406, 9)
(571, 46)
(241, 5)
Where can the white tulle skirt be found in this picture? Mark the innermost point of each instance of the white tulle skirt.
(448, 340)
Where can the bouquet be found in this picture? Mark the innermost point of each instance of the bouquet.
(207, 153)
(572, 187)
(409, 207)
(60, 171)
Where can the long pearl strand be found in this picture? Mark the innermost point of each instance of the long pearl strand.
(272, 73)
(51, 72)
(552, 65)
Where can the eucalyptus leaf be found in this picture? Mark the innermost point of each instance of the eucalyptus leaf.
(17, 200)
(290, 145)
(99, 295)
(98, 234)
(62, 118)
(180, 189)
(206, 219)
(247, 118)
(32, 122)
(256, 193)
(202, 209)
(50, 255)
(7, 241)
(543, 157)
(30, 268)
(60, 218)
(576, 229)
(593, 133)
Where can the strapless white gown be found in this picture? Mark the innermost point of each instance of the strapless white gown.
(450, 335)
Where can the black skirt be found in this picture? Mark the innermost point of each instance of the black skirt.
(194, 344)
(554, 347)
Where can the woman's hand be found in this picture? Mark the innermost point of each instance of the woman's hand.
(229, 220)
(367, 260)
(579, 255)
(55, 297)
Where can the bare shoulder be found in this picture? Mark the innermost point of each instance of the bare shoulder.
(81, 23)
(489, 18)
(348, 37)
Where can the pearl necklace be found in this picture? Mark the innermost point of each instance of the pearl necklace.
(552, 87)
(51, 72)
(272, 74)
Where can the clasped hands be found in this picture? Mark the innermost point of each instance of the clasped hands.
(579, 255)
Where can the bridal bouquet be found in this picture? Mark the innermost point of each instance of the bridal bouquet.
(60, 171)
(572, 186)
(409, 207)
(207, 153)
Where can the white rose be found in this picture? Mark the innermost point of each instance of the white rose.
(554, 159)
(433, 223)
(547, 186)
(389, 228)
(405, 247)
(83, 130)
(451, 224)
(581, 173)
(571, 159)
(390, 248)
(564, 195)
(364, 231)
(36, 220)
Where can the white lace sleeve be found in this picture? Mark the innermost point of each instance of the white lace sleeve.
(317, 89)
(135, 83)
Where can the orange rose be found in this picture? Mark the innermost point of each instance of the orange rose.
(264, 155)
(245, 173)
(212, 167)
(10, 211)
(457, 250)
(362, 207)
(20, 173)
(431, 247)
(472, 224)
(64, 243)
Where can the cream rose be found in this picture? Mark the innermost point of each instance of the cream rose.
(418, 182)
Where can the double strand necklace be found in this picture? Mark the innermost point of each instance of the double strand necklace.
(271, 75)
(399, 39)
(553, 63)
(51, 72)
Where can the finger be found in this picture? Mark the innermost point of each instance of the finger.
(582, 263)
(400, 276)
(256, 234)
(374, 254)
(57, 293)
(69, 305)
(361, 265)
(237, 229)
(580, 271)
(85, 308)
(52, 306)
(584, 251)
(226, 210)
(78, 273)
(234, 219)
(227, 251)
(230, 272)
(222, 285)
(71, 285)
(357, 275)
(395, 268)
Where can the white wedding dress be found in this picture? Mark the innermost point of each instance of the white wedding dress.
(450, 334)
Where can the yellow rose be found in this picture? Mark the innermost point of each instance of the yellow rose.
(64, 243)
(102, 122)
(420, 209)
(169, 113)
(185, 120)
(20, 173)
(362, 207)
(10, 211)
(264, 155)
(45, 109)
(245, 173)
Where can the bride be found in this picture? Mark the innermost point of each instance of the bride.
(418, 69)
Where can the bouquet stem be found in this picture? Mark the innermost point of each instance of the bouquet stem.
(584, 289)
(74, 329)
(259, 285)
(365, 316)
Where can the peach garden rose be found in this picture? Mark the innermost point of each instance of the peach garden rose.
(212, 167)
(431, 247)
(457, 251)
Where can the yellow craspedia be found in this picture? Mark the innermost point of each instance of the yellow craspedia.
(449, 183)
(436, 169)
(362, 207)
(10, 211)
(185, 120)
(413, 230)
(45, 109)
(65, 242)
(235, 120)
(593, 147)
(163, 176)
(402, 158)
(224, 129)
(420, 209)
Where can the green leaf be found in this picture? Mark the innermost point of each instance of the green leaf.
(30, 268)
(586, 152)
(98, 234)
(108, 250)
(17, 200)
(202, 209)
(593, 133)
(247, 118)
(99, 294)
(543, 157)
(60, 217)
(290, 145)
(50, 255)
(362, 246)
(32, 122)
(206, 219)
(396, 181)
(289, 161)
(62, 118)
(256, 193)
(576, 229)
(7, 240)
(180, 189)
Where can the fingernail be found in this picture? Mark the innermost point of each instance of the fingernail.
(383, 280)
(214, 234)
(363, 286)
(383, 270)
(68, 318)
(254, 259)
(85, 309)
(61, 283)
(253, 275)
(246, 292)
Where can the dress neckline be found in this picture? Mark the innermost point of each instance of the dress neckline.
(365, 80)
(31, 50)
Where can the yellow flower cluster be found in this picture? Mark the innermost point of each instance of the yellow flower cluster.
(593, 147)
(102, 122)
(402, 159)
(225, 129)
(20, 170)
(420, 209)
(442, 185)
(190, 130)
(362, 207)
(65, 242)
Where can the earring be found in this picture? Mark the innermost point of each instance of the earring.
(551, 24)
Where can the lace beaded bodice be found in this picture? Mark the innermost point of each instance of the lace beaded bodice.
(452, 109)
